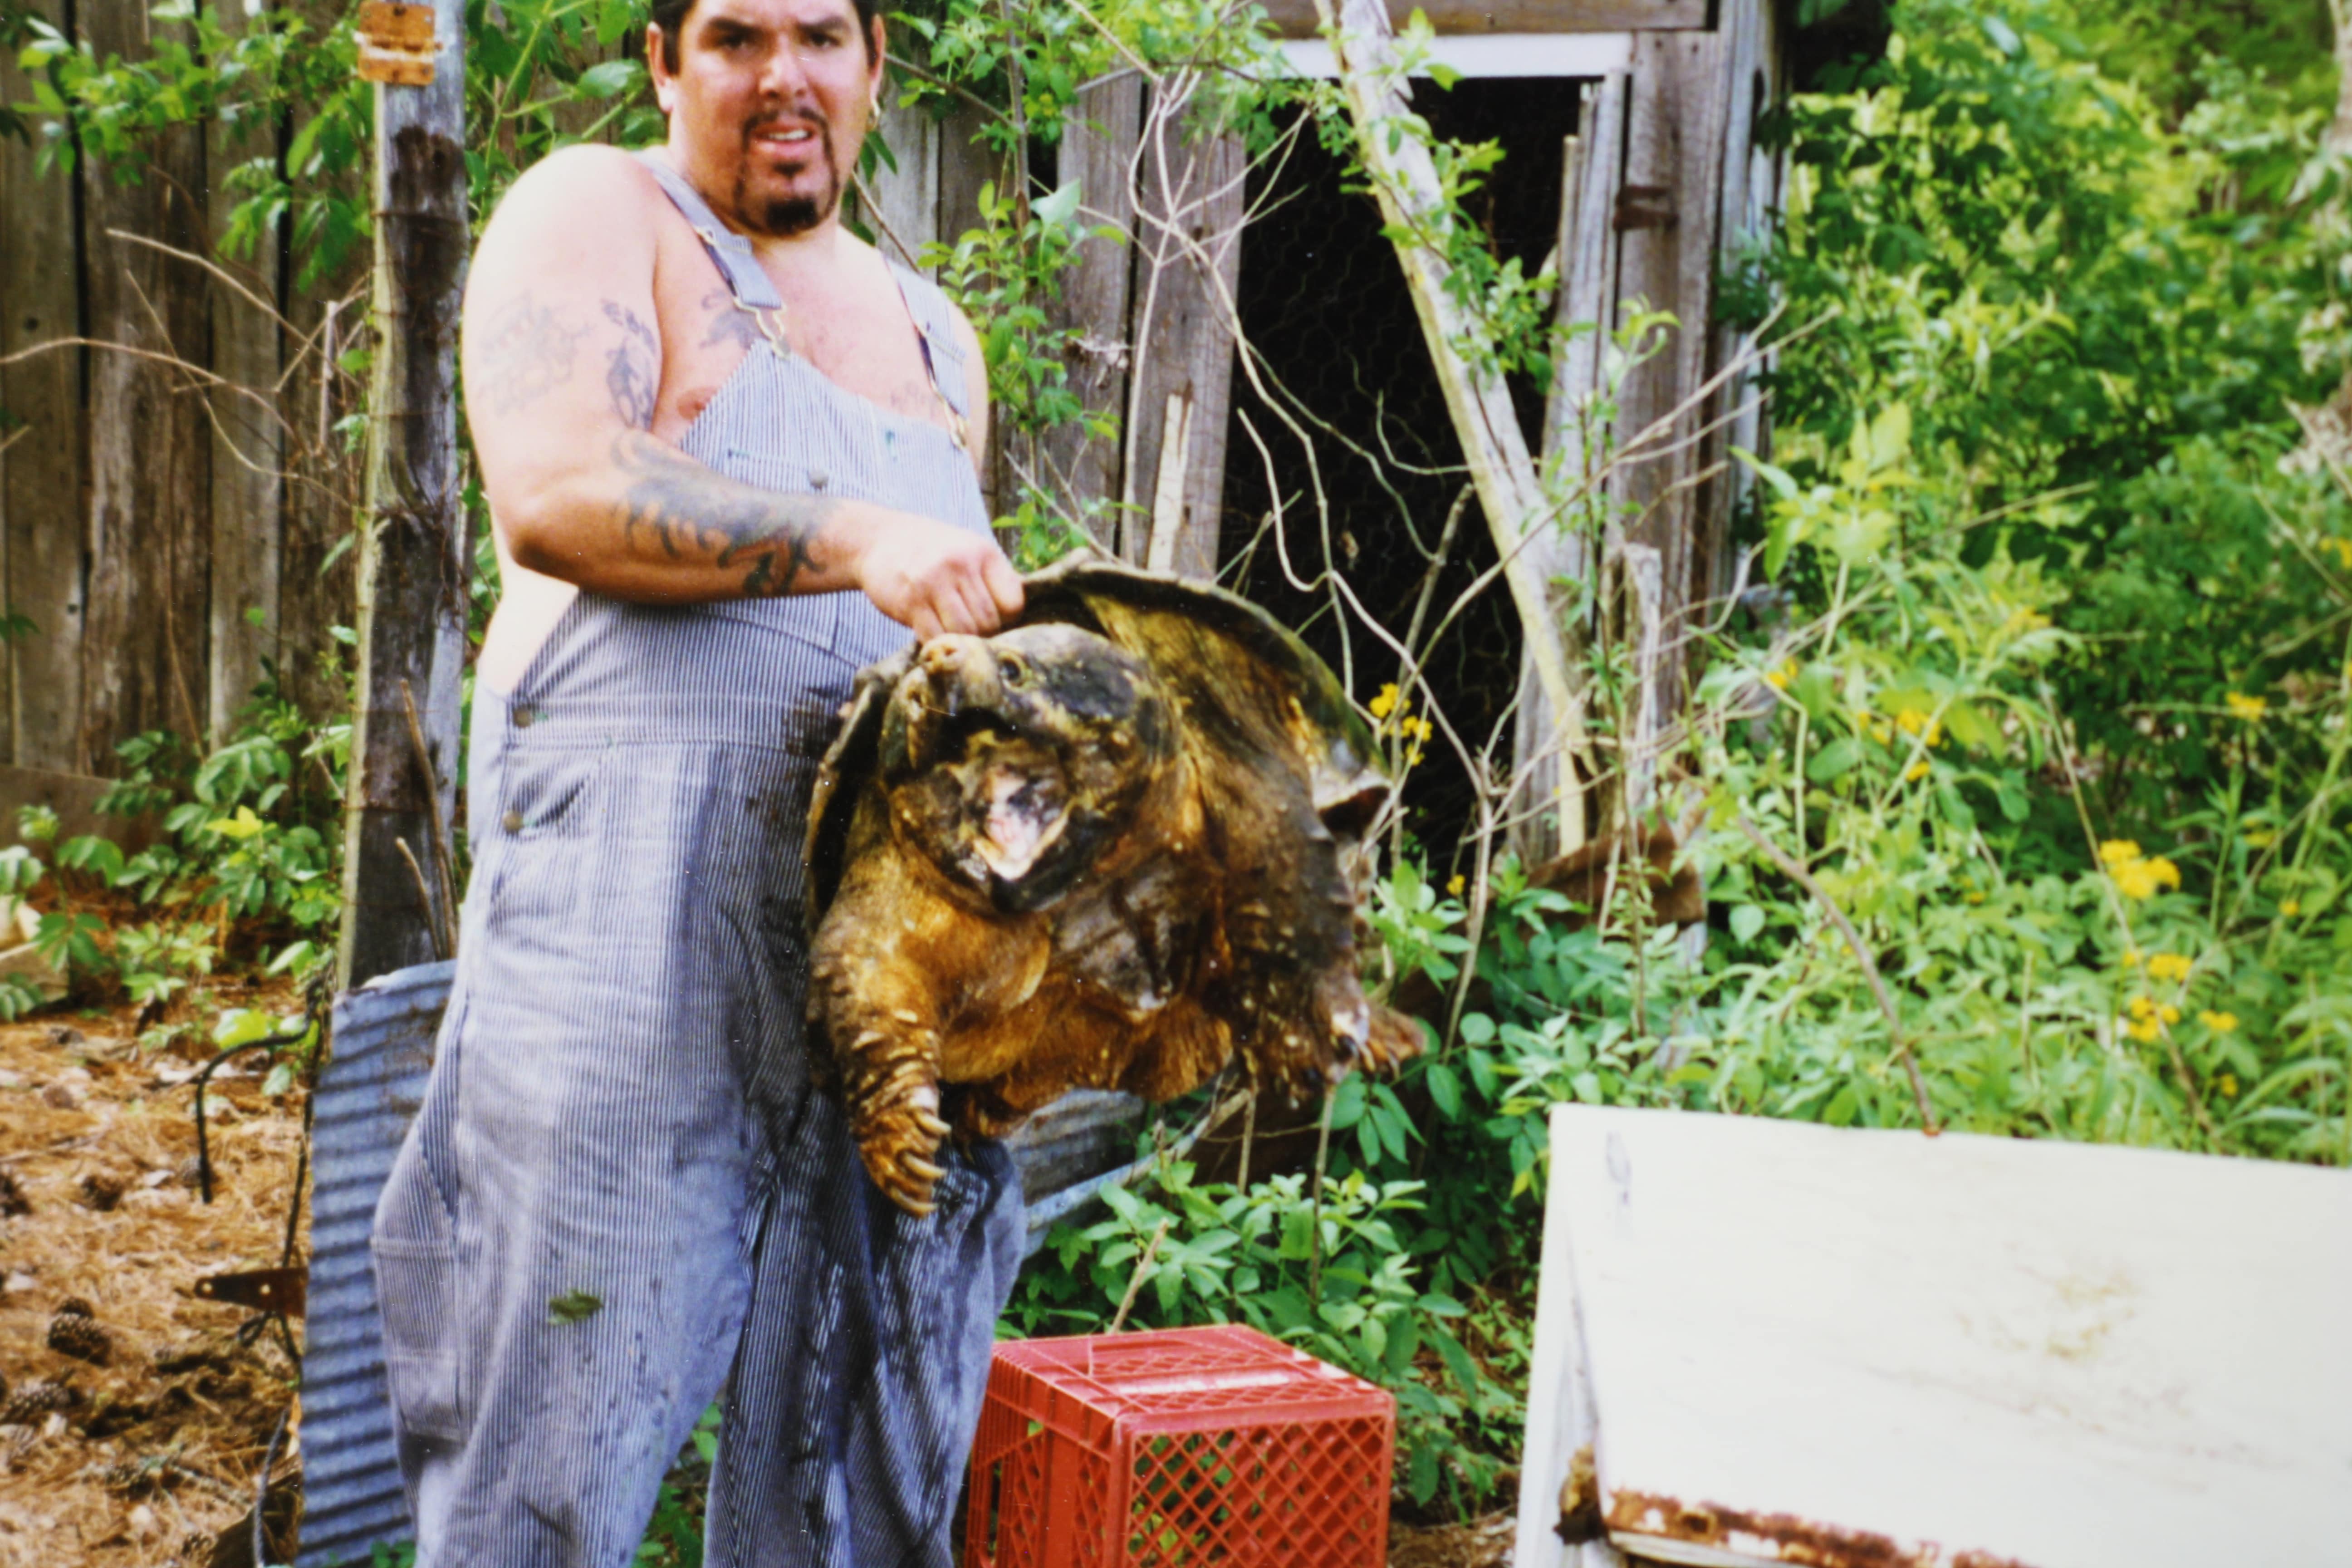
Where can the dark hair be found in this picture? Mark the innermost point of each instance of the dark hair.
(670, 16)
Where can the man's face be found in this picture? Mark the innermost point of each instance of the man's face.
(769, 105)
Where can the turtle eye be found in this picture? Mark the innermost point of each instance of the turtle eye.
(1012, 671)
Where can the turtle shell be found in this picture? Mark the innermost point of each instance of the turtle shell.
(1251, 696)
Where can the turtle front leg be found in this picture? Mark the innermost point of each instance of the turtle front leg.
(890, 1082)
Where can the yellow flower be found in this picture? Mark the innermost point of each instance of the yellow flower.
(1419, 729)
(2291, 907)
(2135, 880)
(1915, 772)
(2260, 838)
(1975, 897)
(1779, 679)
(1879, 730)
(2220, 1023)
(2169, 967)
(2228, 1084)
(2143, 1007)
(2131, 958)
(2168, 1012)
(1385, 703)
(1455, 886)
(2342, 548)
(1911, 721)
(2144, 1031)
(2117, 851)
(2249, 709)
(2164, 871)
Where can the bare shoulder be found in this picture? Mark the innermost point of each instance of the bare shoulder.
(588, 191)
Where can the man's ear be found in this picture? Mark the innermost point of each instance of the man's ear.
(657, 63)
(878, 44)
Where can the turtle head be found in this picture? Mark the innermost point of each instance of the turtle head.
(1014, 761)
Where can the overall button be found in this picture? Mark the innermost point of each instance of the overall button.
(818, 477)
(511, 822)
(524, 717)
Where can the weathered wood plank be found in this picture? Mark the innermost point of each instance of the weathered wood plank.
(1187, 223)
(1748, 192)
(411, 626)
(1591, 174)
(1666, 214)
(1295, 18)
(248, 441)
(906, 206)
(1098, 150)
(143, 653)
(967, 165)
(42, 502)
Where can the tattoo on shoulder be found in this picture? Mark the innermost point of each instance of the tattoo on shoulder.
(729, 323)
(695, 515)
(633, 368)
(527, 351)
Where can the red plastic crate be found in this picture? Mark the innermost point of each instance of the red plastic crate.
(1187, 1446)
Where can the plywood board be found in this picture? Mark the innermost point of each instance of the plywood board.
(1295, 18)
(1846, 1347)
(905, 216)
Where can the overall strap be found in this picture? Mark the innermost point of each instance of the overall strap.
(729, 252)
(942, 355)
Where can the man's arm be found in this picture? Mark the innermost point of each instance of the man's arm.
(563, 362)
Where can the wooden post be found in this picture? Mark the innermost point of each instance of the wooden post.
(43, 521)
(1484, 419)
(412, 620)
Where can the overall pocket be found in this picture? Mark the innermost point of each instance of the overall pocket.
(415, 1246)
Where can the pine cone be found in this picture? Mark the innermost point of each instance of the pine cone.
(78, 1335)
(35, 1401)
(12, 1204)
(100, 1193)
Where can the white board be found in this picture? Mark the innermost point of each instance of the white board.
(1836, 1347)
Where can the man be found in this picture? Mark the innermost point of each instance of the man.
(729, 454)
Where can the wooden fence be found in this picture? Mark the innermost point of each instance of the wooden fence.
(173, 491)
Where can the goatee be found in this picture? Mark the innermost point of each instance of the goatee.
(781, 218)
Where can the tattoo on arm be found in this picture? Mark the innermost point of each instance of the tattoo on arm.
(528, 349)
(729, 323)
(633, 368)
(695, 515)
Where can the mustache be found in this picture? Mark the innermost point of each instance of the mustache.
(813, 116)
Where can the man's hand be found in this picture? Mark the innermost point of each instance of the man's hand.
(936, 578)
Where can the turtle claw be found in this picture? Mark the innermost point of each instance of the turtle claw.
(898, 1133)
(931, 1122)
(922, 1170)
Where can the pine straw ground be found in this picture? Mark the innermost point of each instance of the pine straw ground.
(154, 1462)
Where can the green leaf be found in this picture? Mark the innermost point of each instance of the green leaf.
(574, 1305)
(1477, 1028)
(1747, 922)
(610, 78)
(1061, 208)
(1444, 1090)
(1834, 760)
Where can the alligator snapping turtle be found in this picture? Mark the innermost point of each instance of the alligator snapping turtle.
(1108, 848)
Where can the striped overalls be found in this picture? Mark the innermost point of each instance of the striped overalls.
(622, 1197)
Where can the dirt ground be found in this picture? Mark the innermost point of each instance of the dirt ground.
(149, 1459)
(149, 1455)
